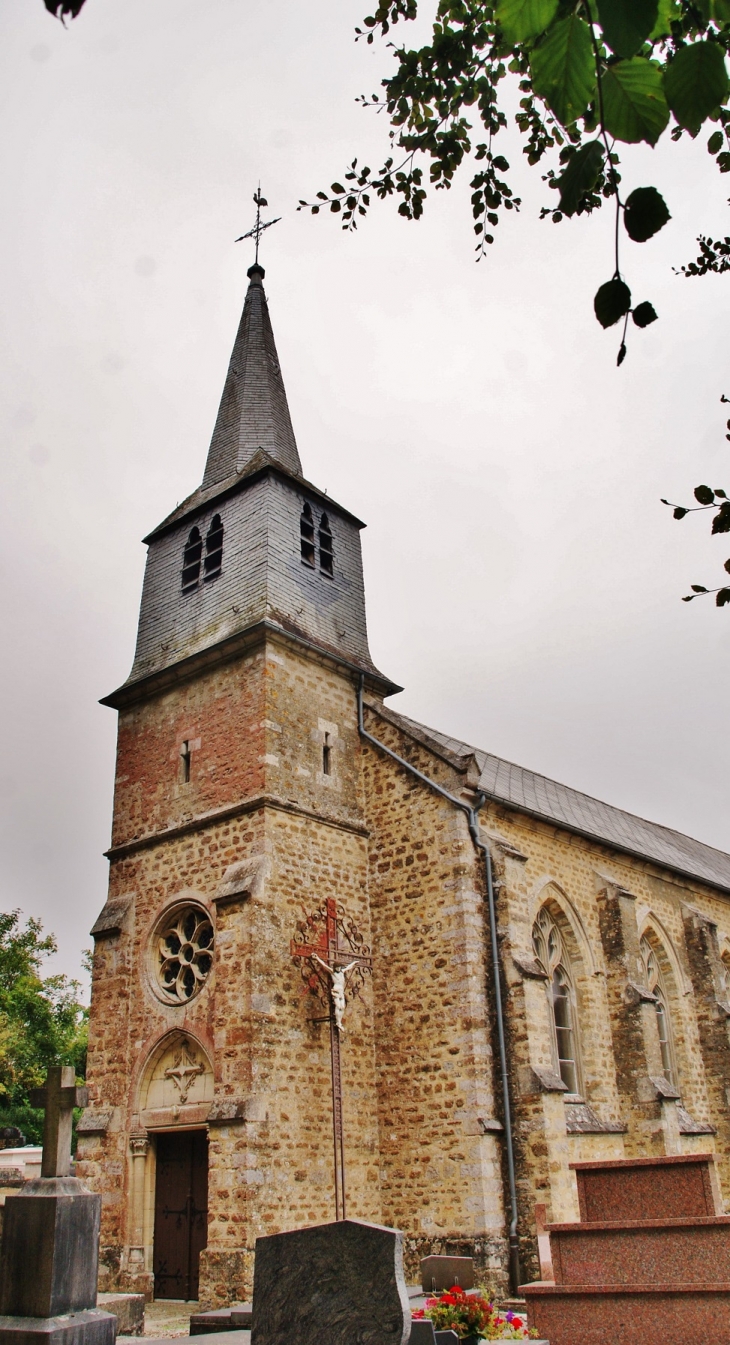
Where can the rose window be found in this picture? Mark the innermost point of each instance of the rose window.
(184, 953)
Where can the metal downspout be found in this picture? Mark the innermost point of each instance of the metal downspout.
(515, 1274)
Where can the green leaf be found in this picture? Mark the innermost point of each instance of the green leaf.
(721, 10)
(704, 495)
(634, 103)
(523, 19)
(580, 175)
(563, 70)
(715, 142)
(612, 302)
(645, 213)
(721, 521)
(669, 12)
(644, 313)
(696, 83)
(627, 24)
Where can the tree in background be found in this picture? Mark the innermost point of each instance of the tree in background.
(42, 1021)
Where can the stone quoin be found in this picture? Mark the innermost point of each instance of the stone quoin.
(246, 795)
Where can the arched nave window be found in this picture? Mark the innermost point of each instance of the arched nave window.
(552, 955)
(655, 983)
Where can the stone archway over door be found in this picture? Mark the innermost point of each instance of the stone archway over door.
(181, 1212)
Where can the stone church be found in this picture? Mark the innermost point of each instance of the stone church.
(533, 978)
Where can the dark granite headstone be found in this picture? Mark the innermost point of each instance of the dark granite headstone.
(336, 1283)
(11, 1137)
(422, 1332)
(443, 1272)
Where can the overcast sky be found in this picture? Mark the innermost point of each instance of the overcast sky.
(523, 579)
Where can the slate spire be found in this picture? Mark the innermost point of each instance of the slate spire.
(253, 413)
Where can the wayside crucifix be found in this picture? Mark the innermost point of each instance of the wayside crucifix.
(331, 948)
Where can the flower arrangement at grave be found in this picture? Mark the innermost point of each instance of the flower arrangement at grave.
(472, 1316)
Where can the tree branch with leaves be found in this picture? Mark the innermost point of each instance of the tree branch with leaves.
(592, 75)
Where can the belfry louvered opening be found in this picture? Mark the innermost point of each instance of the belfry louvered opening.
(214, 549)
(306, 530)
(191, 560)
(326, 550)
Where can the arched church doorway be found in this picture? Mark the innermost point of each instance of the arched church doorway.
(181, 1212)
(170, 1165)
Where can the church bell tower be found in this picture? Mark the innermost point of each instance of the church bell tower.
(238, 804)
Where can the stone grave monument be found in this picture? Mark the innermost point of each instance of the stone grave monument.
(339, 1282)
(50, 1245)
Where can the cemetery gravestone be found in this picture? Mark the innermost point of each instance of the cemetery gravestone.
(334, 1283)
(443, 1272)
(50, 1246)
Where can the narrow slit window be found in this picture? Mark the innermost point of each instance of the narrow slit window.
(214, 549)
(326, 755)
(191, 561)
(326, 553)
(656, 984)
(185, 757)
(552, 957)
(563, 1018)
(306, 529)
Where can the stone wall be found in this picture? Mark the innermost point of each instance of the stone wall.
(440, 1157)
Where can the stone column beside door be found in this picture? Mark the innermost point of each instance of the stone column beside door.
(138, 1279)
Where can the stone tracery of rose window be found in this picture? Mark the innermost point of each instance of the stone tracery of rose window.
(184, 953)
(550, 952)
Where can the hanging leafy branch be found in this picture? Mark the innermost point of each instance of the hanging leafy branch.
(592, 74)
(718, 503)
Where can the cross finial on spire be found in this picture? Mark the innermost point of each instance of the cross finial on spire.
(258, 227)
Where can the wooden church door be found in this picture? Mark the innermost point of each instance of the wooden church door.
(181, 1212)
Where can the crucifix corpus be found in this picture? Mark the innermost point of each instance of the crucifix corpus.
(330, 949)
(58, 1097)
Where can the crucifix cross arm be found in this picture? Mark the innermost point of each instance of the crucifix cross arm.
(58, 1097)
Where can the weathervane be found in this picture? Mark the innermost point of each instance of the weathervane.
(258, 227)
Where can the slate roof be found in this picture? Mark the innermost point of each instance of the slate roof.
(253, 413)
(550, 801)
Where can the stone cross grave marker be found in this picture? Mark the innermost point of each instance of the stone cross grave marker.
(59, 1096)
(332, 947)
(49, 1253)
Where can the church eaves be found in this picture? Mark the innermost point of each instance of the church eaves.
(253, 417)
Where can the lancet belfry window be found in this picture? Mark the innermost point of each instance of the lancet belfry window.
(326, 551)
(214, 549)
(306, 529)
(550, 952)
(191, 561)
(655, 983)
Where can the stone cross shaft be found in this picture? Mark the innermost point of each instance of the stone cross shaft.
(334, 957)
(58, 1097)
